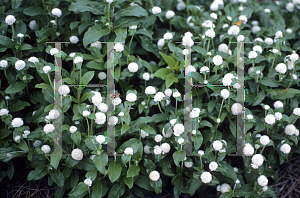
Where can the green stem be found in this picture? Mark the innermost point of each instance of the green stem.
(229, 45)
(153, 23)
(271, 67)
(295, 121)
(129, 47)
(88, 126)
(221, 108)
(273, 75)
(13, 30)
(5, 73)
(207, 93)
(50, 81)
(208, 45)
(47, 158)
(159, 108)
(79, 88)
(170, 26)
(176, 107)
(187, 5)
(162, 106)
(262, 149)
(92, 122)
(148, 100)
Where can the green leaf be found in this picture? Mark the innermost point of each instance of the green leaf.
(133, 171)
(87, 77)
(170, 79)
(157, 185)
(162, 73)
(144, 32)
(33, 11)
(74, 24)
(37, 174)
(270, 82)
(19, 105)
(227, 171)
(149, 129)
(143, 182)
(117, 190)
(114, 171)
(80, 190)
(124, 128)
(128, 181)
(259, 98)
(284, 94)
(15, 4)
(4, 133)
(55, 158)
(98, 190)
(87, 5)
(10, 170)
(136, 11)
(94, 33)
(193, 184)
(200, 50)
(197, 139)
(16, 87)
(95, 65)
(91, 142)
(25, 46)
(76, 137)
(125, 22)
(7, 42)
(169, 60)
(121, 34)
(100, 162)
(178, 156)
(23, 145)
(58, 178)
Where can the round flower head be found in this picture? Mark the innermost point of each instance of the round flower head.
(100, 118)
(188, 164)
(180, 6)
(102, 107)
(278, 116)
(17, 122)
(281, 68)
(225, 188)
(204, 69)
(97, 44)
(57, 12)
(109, 1)
(269, 41)
(78, 59)
(262, 180)
(10, 19)
(206, 177)
(146, 149)
(88, 182)
(128, 151)
(53, 114)
(32, 25)
(37, 143)
(178, 129)
(54, 51)
(48, 128)
(46, 148)
(252, 55)
(217, 145)
(161, 42)
(180, 141)
(278, 34)
(157, 150)
(20, 35)
(217, 60)
(159, 96)
(240, 38)
(63, 90)
(236, 108)
(248, 150)
(170, 14)
(150, 90)
(290, 7)
(168, 36)
(278, 104)
(113, 120)
(165, 147)
(19, 65)
(270, 119)
(146, 76)
(3, 63)
(296, 111)
(3, 112)
(100, 139)
(213, 166)
(257, 159)
(154, 175)
(285, 148)
(213, 15)
(233, 30)
(119, 47)
(86, 113)
(102, 75)
(133, 67)
(294, 57)
(131, 97)
(46, 69)
(73, 129)
(225, 93)
(187, 41)
(156, 10)
(77, 154)
(133, 27)
(290, 129)
(210, 33)
(257, 48)
(264, 140)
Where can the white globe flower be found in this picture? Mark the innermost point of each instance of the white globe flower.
(32, 25)
(165, 147)
(86, 113)
(168, 36)
(3, 112)
(265, 188)
(217, 145)
(102, 75)
(46, 148)
(154, 175)
(100, 139)
(225, 188)
(235, 169)
(185, 52)
(159, 96)
(236, 108)
(268, 41)
(188, 164)
(128, 151)
(119, 47)
(157, 150)
(74, 39)
(131, 97)
(19, 65)
(168, 92)
(294, 57)
(289, 30)
(290, 129)
(296, 111)
(54, 51)
(109, 1)
(77, 154)
(97, 44)
(187, 41)
(278, 116)
(20, 35)
(73, 129)
(294, 76)
(178, 129)
(133, 67)
(278, 104)
(249, 117)
(17, 139)
(240, 38)
(103, 107)
(285, 148)
(146, 76)
(204, 69)
(257, 159)
(213, 15)
(217, 60)
(201, 153)
(248, 150)
(252, 54)
(176, 94)
(3, 63)
(267, 10)
(213, 166)
(17, 122)
(270, 119)
(78, 59)
(158, 138)
(290, 7)
(72, 54)
(210, 33)
(278, 34)
(46, 69)
(156, 10)
(264, 140)
(233, 30)
(10, 19)
(225, 93)
(161, 42)
(57, 12)
(262, 180)
(223, 48)
(180, 6)
(53, 114)
(146, 149)
(257, 48)
(170, 14)
(88, 182)
(281, 68)
(206, 177)
(48, 128)
(113, 120)
(180, 141)
(172, 122)
(266, 107)
(37, 143)
(96, 99)
(144, 134)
